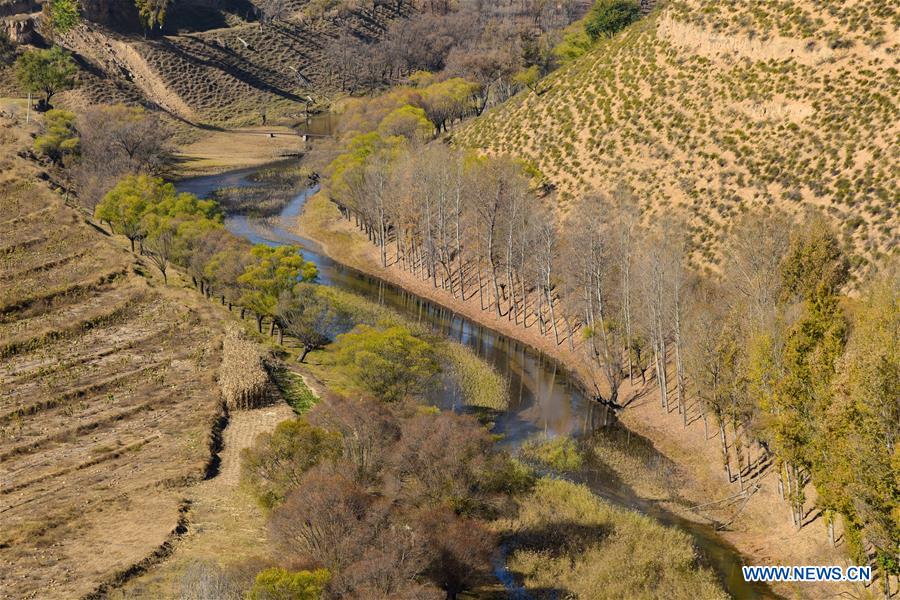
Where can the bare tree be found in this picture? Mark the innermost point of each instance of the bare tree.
(313, 320)
(270, 11)
(117, 141)
(159, 247)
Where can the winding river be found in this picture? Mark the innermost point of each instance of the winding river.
(544, 398)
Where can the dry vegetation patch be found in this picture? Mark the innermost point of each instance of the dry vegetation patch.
(242, 375)
(107, 398)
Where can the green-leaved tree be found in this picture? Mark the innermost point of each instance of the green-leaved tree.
(46, 72)
(272, 272)
(608, 17)
(390, 364)
(64, 15)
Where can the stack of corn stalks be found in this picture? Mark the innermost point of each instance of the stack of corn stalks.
(242, 376)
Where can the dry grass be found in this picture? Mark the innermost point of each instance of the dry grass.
(242, 375)
(564, 542)
(224, 150)
(107, 395)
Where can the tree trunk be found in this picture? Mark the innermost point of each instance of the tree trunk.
(831, 529)
(724, 440)
(306, 350)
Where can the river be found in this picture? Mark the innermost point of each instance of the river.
(544, 398)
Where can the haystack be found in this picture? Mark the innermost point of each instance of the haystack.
(242, 376)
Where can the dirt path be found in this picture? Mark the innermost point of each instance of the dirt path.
(226, 525)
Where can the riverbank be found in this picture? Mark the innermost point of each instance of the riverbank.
(759, 527)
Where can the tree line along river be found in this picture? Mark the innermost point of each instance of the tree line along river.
(544, 398)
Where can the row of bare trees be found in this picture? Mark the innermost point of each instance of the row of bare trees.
(754, 344)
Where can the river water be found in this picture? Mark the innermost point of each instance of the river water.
(545, 400)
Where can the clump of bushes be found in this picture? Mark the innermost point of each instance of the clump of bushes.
(559, 453)
(608, 17)
(242, 377)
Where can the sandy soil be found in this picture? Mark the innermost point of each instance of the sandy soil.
(761, 530)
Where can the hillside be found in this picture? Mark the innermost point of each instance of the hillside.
(107, 394)
(714, 110)
(211, 65)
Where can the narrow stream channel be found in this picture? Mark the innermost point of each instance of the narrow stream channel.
(544, 398)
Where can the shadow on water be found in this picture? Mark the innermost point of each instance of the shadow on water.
(544, 398)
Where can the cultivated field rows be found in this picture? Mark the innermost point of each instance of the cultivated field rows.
(107, 399)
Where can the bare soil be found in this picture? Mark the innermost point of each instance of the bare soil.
(226, 524)
(227, 149)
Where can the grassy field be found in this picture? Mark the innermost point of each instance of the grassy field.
(566, 542)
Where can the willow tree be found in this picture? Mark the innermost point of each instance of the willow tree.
(272, 272)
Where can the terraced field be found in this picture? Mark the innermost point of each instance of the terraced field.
(224, 75)
(107, 397)
(786, 104)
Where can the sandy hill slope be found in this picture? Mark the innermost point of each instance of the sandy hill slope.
(108, 397)
(715, 107)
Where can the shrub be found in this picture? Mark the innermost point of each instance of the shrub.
(281, 584)
(7, 50)
(274, 465)
(608, 17)
(559, 453)
(60, 137)
(391, 364)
